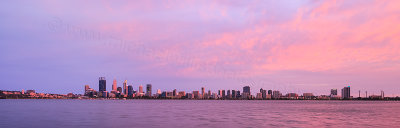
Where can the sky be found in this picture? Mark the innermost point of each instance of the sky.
(289, 45)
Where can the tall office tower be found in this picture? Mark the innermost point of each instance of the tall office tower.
(233, 94)
(228, 94)
(141, 89)
(276, 94)
(269, 92)
(263, 93)
(383, 94)
(246, 92)
(196, 94)
(125, 87)
(114, 86)
(346, 93)
(119, 89)
(220, 93)
(148, 90)
(209, 92)
(102, 84)
(202, 91)
(246, 89)
(86, 88)
(223, 93)
(333, 92)
(130, 90)
(174, 92)
(238, 94)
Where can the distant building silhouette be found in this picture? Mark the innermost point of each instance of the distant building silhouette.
(269, 92)
(114, 86)
(246, 92)
(130, 90)
(102, 84)
(125, 85)
(119, 89)
(148, 90)
(333, 92)
(346, 93)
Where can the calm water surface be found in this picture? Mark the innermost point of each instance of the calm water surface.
(197, 113)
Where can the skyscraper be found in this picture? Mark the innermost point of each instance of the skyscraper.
(346, 92)
(174, 92)
(148, 90)
(202, 91)
(114, 86)
(233, 94)
(246, 92)
(269, 92)
(141, 89)
(125, 87)
(246, 89)
(333, 92)
(276, 94)
(196, 94)
(130, 90)
(102, 84)
(228, 94)
(263, 93)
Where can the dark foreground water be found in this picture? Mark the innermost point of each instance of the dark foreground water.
(196, 113)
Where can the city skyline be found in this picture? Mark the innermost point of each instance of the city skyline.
(292, 46)
(246, 92)
(130, 93)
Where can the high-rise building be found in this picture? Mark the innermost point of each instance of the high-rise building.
(174, 92)
(228, 94)
(246, 92)
(141, 89)
(238, 94)
(114, 86)
(233, 94)
(269, 92)
(263, 93)
(346, 92)
(202, 91)
(148, 90)
(223, 94)
(196, 94)
(125, 85)
(333, 92)
(102, 84)
(276, 94)
(209, 92)
(130, 90)
(246, 89)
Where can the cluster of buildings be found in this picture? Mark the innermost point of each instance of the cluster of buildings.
(127, 92)
(31, 94)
